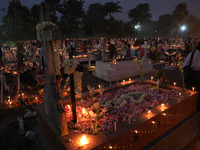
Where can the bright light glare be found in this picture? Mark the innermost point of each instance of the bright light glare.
(183, 27)
(83, 140)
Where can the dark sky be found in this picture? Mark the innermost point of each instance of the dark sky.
(158, 7)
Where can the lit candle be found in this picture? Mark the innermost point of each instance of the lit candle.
(68, 106)
(36, 98)
(99, 86)
(123, 80)
(179, 94)
(193, 89)
(83, 111)
(174, 83)
(149, 112)
(151, 78)
(9, 97)
(22, 94)
(129, 79)
(153, 122)
(83, 141)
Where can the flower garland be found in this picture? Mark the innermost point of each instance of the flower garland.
(120, 102)
(44, 24)
(70, 65)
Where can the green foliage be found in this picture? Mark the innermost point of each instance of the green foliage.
(111, 8)
(72, 12)
(140, 14)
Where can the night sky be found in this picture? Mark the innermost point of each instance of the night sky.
(158, 7)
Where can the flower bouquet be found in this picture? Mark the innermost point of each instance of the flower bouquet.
(164, 81)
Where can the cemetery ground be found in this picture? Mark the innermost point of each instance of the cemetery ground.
(12, 139)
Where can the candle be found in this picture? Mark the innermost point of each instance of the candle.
(83, 141)
(179, 94)
(22, 94)
(149, 112)
(151, 78)
(36, 98)
(83, 111)
(99, 86)
(129, 79)
(123, 80)
(193, 89)
(174, 83)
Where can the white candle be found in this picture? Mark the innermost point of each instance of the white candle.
(193, 89)
(129, 79)
(151, 78)
(179, 94)
(174, 83)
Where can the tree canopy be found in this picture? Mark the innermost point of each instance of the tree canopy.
(97, 21)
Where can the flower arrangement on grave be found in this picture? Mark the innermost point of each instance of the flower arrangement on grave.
(159, 74)
(180, 65)
(139, 64)
(115, 108)
(164, 81)
(96, 106)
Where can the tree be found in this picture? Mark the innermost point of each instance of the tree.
(111, 8)
(33, 21)
(140, 14)
(180, 13)
(54, 6)
(193, 24)
(15, 22)
(72, 13)
(165, 25)
(94, 20)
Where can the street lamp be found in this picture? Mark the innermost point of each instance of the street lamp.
(182, 28)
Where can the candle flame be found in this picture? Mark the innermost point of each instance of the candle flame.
(83, 110)
(83, 140)
(174, 83)
(68, 106)
(192, 88)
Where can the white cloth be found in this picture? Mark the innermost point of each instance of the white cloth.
(195, 61)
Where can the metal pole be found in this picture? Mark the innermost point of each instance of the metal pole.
(18, 83)
(72, 90)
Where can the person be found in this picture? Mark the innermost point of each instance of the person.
(111, 48)
(20, 57)
(196, 70)
(159, 50)
(141, 49)
(153, 52)
(84, 47)
(128, 50)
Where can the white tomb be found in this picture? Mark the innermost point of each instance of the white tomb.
(111, 71)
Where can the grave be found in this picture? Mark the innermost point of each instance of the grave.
(120, 69)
